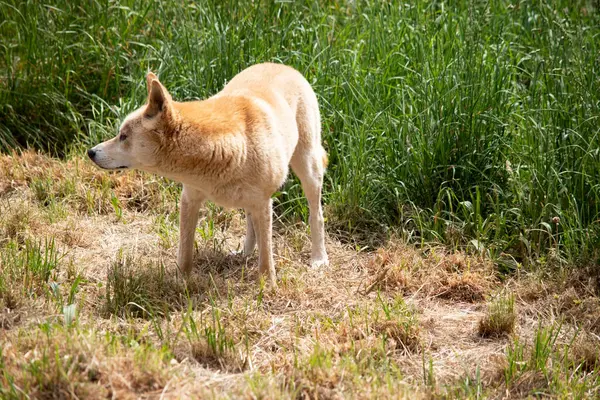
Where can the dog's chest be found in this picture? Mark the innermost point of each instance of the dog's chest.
(232, 195)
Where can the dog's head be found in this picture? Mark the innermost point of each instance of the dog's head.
(142, 134)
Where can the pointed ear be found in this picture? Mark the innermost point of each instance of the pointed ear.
(158, 99)
(149, 78)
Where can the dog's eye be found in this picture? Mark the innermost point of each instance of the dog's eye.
(122, 137)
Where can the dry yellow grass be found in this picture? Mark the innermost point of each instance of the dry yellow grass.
(399, 322)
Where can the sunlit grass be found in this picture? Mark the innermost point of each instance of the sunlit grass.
(471, 123)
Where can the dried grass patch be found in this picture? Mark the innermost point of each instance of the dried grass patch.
(452, 276)
(468, 287)
(577, 308)
(527, 384)
(53, 362)
(405, 337)
(585, 352)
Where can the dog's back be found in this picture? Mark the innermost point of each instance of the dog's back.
(291, 98)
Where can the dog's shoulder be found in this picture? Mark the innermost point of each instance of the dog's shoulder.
(221, 115)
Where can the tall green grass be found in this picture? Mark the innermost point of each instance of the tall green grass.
(473, 123)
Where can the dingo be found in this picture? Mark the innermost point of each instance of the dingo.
(234, 149)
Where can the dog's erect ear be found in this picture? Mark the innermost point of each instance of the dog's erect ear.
(149, 78)
(158, 99)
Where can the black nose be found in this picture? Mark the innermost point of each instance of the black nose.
(91, 153)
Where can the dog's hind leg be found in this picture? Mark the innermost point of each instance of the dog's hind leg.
(250, 241)
(309, 166)
(191, 200)
(308, 163)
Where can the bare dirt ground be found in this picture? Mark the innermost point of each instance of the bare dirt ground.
(111, 318)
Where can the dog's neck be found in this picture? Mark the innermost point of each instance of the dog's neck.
(193, 155)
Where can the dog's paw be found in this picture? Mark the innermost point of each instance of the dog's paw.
(240, 253)
(319, 262)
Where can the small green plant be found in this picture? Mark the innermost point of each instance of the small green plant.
(67, 306)
(207, 229)
(471, 387)
(139, 289)
(166, 229)
(114, 201)
(211, 343)
(42, 191)
(400, 324)
(540, 364)
(543, 347)
(41, 260)
(500, 317)
(33, 263)
(515, 356)
(428, 372)
(26, 269)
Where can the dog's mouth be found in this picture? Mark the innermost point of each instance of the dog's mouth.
(122, 167)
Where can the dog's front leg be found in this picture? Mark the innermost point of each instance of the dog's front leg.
(250, 240)
(191, 200)
(262, 220)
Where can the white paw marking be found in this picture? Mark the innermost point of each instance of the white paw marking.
(319, 262)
